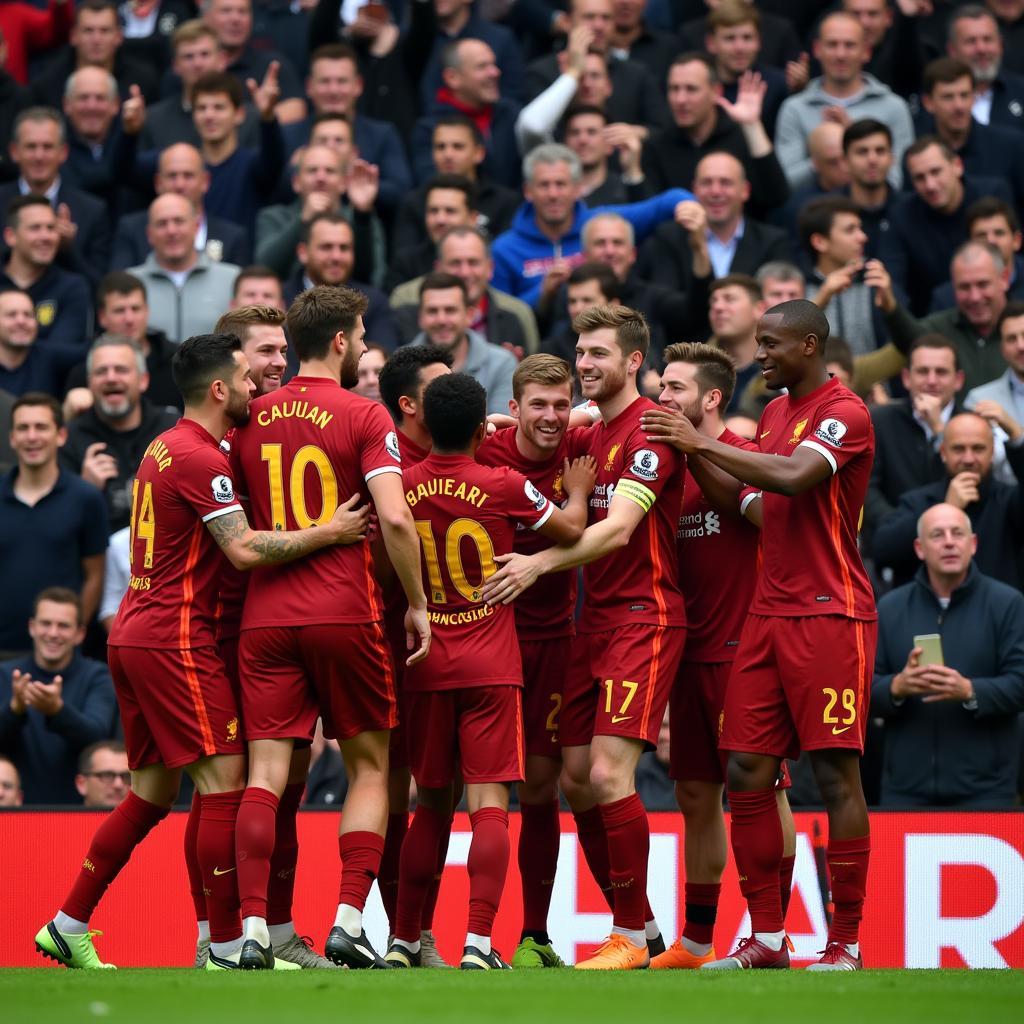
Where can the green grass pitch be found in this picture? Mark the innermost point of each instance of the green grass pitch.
(54, 996)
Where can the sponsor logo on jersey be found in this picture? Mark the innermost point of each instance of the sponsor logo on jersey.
(645, 464)
(612, 452)
(712, 523)
(536, 499)
(391, 444)
(222, 489)
(831, 432)
(797, 431)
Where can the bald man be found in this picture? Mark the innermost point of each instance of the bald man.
(187, 291)
(995, 509)
(803, 668)
(951, 707)
(180, 169)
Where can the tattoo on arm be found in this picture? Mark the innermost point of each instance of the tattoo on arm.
(269, 547)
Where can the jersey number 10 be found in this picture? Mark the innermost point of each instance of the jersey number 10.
(308, 455)
(459, 529)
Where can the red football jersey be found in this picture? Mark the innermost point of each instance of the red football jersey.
(812, 565)
(640, 583)
(718, 559)
(233, 582)
(545, 611)
(308, 447)
(465, 515)
(182, 483)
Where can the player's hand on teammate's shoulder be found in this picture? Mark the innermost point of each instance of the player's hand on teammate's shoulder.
(517, 572)
(417, 634)
(350, 523)
(579, 475)
(672, 428)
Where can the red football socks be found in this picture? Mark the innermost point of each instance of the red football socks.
(215, 848)
(417, 869)
(539, 837)
(430, 903)
(594, 841)
(629, 840)
(195, 874)
(786, 882)
(757, 847)
(122, 830)
(488, 866)
(360, 862)
(701, 911)
(255, 833)
(848, 869)
(286, 856)
(387, 880)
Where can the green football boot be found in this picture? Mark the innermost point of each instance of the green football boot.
(531, 954)
(74, 951)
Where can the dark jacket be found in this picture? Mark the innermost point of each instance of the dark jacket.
(1008, 100)
(997, 519)
(776, 93)
(63, 304)
(226, 242)
(48, 85)
(945, 298)
(14, 98)
(127, 447)
(109, 173)
(941, 753)
(380, 326)
(670, 159)
(169, 122)
(655, 50)
(409, 263)
(46, 749)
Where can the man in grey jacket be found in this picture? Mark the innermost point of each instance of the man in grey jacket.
(187, 292)
(951, 734)
(844, 93)
(444, 321)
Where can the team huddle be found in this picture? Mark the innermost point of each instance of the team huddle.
(300, 555)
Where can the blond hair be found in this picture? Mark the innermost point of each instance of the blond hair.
(543, 369)
(190, 32)
(238, 321)
(630, 326)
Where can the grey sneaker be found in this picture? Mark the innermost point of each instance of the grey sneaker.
(299, 950)
(429, 956)
(202, 954)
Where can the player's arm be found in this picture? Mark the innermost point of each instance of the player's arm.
(247, 548)
(403, 546)
(782, 474)
(602, 538)
(751, 510)
(721, 490)
(92, 584)
(566, 525)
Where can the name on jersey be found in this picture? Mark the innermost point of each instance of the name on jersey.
(449, 488)
(159, 451)
(699, 524)
(296, 409)
(140, 582)
(466, 618)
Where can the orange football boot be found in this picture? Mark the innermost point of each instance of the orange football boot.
(617, 953)
(678, 957)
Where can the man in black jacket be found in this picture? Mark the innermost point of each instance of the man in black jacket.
(951, 733)
(995, 509)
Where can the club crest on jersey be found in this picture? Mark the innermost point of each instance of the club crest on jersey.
(612, 452)
(645, 464)
(798, 431)
(391, 444)
(831, 432)
(222, 489)
(534, 496)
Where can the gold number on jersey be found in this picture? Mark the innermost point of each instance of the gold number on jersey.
(456, 532)
(630, 688)
(143, 522)
(308, 455)
(849, 702)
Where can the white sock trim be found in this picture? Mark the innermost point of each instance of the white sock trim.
(638, 938)
(773, 940)
(349, 918)
(482, 942)
(70, 925)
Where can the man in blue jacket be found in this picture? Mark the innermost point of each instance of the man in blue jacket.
(951, 732)
(54, 702)
(534, 258)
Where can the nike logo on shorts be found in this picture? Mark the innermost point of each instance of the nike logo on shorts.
(217, 872)
(620, 718)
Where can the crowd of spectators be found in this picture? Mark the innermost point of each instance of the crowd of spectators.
(484, 170)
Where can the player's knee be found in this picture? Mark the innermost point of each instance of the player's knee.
(607, 780)
(698, 801)
(838, 779)
(749, 771)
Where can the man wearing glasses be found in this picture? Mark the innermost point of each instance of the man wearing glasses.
(103, 778)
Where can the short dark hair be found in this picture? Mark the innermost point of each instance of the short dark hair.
(334, 51)
(933, 341)
(579, 109)
(328, 115)
(318, 314)
(438, 280)
(58, 595)
(118, 282)
(200, 360)
(864, 128)
(837, 350)
(86, 756)
(460, 121)
(714, 367)
(306, 233)
(817, 216)
(749, 284)
(606, 278)
(456, 183)
(400, 375)
(255, 271)
(944, 71)
(1011, 311)
(218, 82)
(19, 203)
(698, 57)
(991, 206)
(35, 399)
(923, 142)
(96, 7)
(454, 406)
(804, 317)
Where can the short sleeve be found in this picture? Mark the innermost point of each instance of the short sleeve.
(648, 467)
(842, 431)
(525, 503)
(207, 486)
(378, 449)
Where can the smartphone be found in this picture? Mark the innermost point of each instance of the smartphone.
(931, 649)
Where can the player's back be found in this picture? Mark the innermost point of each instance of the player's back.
(812, 565)
(466, 514)
(182, 483)
(308, 447)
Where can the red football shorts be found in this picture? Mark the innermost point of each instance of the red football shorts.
(227, 648)
(800, 684)
(477, 730)
(291, 675)
(695, 719)
(177, 706)
(618, 683)
(545, 664)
